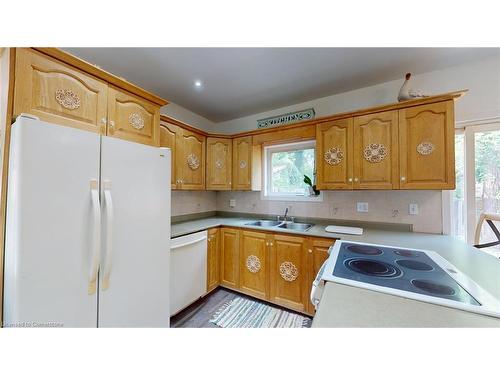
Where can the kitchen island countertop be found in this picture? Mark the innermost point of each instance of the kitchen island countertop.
(483, 268)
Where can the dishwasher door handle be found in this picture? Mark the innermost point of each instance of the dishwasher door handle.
(188, 243)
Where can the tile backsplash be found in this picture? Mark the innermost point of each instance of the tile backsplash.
(383, 206)
(191, 202)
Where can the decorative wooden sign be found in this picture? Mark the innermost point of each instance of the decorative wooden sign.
(288, 118)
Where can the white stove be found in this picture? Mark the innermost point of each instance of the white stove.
(411, 273)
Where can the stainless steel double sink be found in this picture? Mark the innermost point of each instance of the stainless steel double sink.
(302, 227)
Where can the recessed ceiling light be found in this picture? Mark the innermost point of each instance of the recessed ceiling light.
(198, 83)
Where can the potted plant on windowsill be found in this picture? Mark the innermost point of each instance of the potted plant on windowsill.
(310, 186)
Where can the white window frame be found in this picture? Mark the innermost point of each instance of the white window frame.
(468, 128)
(284, 147)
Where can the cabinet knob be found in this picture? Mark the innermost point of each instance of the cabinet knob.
(309, 251)
(355, 179)
(403, 178)
(104, 121)
(111, 126)
(350, 179)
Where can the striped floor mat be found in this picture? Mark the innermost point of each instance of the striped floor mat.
(245, 313)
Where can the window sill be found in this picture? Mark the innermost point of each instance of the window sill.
(292, 198)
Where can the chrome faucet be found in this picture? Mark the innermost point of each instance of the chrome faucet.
(286, 214)
(285, 217)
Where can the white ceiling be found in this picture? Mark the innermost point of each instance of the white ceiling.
(242, 81)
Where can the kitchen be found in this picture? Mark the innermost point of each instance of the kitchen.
(240, 188)
(244, 222)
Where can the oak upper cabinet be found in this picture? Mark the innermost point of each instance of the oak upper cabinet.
(289, 275)
(219, 160)
(246, 164)
(168, 138)
(376, 151)
(57, 93)
(132, 118)
(253, 263)
(213, 259)
(426, 146)
(334, 142)
(230, 254)
(190, 160)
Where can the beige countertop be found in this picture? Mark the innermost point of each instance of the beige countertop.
(344, 306)
(483, 268)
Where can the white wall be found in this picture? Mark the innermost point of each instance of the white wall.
(182, 114)
(482, 78)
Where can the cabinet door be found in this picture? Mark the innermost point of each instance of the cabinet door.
(289, 275)
(57, 93)
(168, 138)
(318, 253)
(376, 151)
(427, 146)
(190, 163)
(219, 160)
(334, 154)
(242, 163)
(213, 257)
(132, 118)
(253, 264)
(230, 251)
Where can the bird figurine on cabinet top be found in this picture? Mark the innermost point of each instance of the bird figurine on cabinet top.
(406, 94)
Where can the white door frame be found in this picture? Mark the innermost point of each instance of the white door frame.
(468, 128)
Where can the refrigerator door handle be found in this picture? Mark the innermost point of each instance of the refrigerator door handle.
(108, 201)
(96, 252)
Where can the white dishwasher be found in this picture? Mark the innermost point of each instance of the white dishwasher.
(188, 270)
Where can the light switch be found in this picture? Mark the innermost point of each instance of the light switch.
(232, 203)
(413, 209)
(362, 206)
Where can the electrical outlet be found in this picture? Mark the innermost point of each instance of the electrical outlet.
(413, 209)
(232, 203)
(362, 206)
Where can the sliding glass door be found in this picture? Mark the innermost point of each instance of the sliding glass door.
(477, 181)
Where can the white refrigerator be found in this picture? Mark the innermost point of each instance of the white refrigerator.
(88, 230)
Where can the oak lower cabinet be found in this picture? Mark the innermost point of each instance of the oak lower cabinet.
(213, 259)
(58, 93)
(219, 163)
(317, 253)
(289, 276)
(272, 267)
(334, 142)
(132, 118)
(427, 146)
(230, 257)
(376, 151)
(254, 257)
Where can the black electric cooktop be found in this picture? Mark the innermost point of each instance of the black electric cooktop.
(406, 270)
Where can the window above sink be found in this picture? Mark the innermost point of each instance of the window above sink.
(284, 168)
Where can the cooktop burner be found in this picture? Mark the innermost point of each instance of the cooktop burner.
(406, 270)
(414, 265)
(434, 288)
(372, 267)
(365, 250)
(406, 253)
